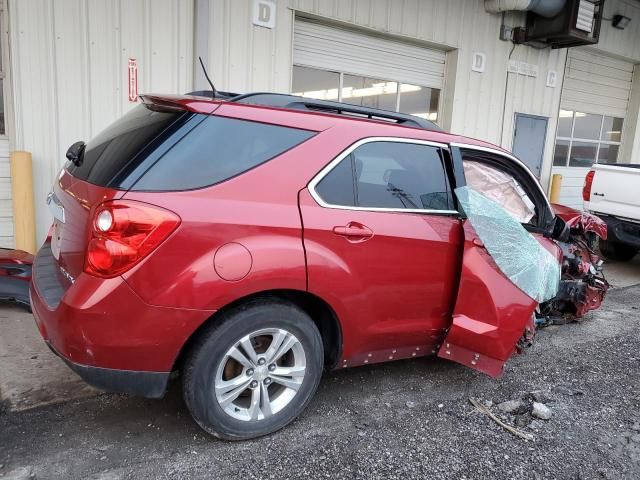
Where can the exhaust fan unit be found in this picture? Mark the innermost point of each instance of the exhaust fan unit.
(577, 23)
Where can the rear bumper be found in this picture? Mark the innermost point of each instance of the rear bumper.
(144, 384)
(622, 231)
(107, 333)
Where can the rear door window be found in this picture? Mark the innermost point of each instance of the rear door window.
(337, 187)
(217, 149)
(389, 175)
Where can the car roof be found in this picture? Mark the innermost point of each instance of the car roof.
(298, 114)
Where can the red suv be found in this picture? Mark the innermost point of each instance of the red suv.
(251, 243)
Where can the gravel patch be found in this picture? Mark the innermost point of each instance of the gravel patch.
(406, 419)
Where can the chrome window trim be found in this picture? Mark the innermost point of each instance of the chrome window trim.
(510, 157)
(345, 153)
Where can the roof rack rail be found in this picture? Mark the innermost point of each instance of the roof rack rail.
(283, 100)
(210, 94)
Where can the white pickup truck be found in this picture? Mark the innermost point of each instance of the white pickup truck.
(612, 192)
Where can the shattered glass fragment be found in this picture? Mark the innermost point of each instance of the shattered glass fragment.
(519, 256)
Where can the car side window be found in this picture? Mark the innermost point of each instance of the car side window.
(500, 186)
(337, 187)
(390, 175)
(218, 149)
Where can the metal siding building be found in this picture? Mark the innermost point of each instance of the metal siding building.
(66, 67)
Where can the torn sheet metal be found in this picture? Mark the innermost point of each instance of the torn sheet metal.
(516, 252)
(583, 285)
(490, 313)
(582, 221)
(501, 187)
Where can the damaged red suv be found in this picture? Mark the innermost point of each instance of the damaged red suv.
(252, 242)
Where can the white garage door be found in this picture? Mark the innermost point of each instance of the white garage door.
(593, 105)
(596, 83)
(335, 63)
(339, 49)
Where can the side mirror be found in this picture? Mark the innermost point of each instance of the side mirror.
(560, 230)
(74, 153)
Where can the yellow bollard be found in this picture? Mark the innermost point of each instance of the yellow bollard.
(556, 185)
(23, 211)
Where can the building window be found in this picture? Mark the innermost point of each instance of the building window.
(379, 93)
(585, 138)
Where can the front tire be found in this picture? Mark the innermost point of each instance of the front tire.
(253, 371)
(617, 251)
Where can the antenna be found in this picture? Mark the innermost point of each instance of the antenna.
(204, 70)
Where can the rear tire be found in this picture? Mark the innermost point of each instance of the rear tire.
(617, 251)
(253, 371)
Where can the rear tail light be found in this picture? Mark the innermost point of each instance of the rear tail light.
(586, 189)
(123, 232)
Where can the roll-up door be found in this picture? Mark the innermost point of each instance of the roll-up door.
(593, 106)
(596, 83)
(350, 51)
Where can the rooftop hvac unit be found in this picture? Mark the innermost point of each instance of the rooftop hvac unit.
(577, 23)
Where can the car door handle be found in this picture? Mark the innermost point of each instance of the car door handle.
(354, 231)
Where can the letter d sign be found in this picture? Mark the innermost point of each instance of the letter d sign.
(264, 13)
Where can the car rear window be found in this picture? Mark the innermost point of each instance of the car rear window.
(154, 149)
(217, 149)
(125, 144)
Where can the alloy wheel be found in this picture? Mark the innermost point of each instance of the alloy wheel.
(260, 374)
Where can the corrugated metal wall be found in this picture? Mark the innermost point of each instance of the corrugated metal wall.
(69, 60)
(623, 43)
(69, 66)
(245, 57)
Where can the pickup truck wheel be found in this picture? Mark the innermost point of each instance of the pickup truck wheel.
(617, 251)
(255, 371)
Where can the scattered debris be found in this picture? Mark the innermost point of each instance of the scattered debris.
(410, 404)
(541, 411)
(541, 396)
(510, 406)
(518, 433)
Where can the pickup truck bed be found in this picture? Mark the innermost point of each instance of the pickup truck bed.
(613, 193)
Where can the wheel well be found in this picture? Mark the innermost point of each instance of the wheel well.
(320, 312)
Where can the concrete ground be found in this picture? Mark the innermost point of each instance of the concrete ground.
(402, 419)
(623, 274)
(31, 375)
